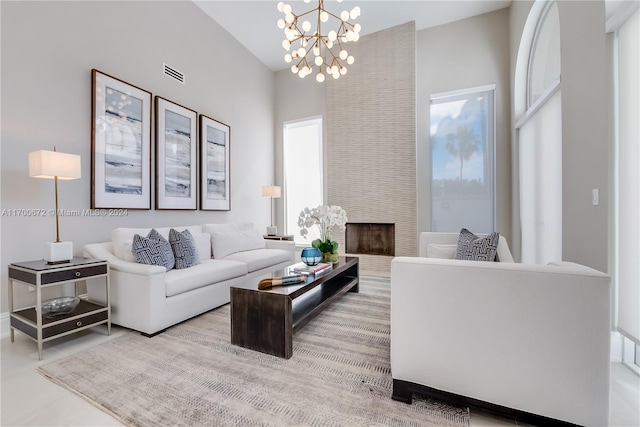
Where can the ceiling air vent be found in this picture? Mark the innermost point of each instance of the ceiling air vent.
(173, 73)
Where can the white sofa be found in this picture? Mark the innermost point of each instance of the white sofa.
(528, 341)
(149, 299)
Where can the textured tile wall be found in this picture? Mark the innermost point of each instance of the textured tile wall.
(371, 138)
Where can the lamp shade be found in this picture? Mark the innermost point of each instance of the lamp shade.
(272, 191)
(49, 164)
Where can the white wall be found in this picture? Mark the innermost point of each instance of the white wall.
(464, 54)
(48, 51)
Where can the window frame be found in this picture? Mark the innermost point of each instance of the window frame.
(292, 124)
(493, 140)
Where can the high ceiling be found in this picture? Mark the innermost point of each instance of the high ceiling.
(253, 23)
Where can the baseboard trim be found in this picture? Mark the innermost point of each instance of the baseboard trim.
(4, 325)
(403, 392)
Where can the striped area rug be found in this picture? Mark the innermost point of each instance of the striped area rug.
(191, 375)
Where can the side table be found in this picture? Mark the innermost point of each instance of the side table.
(278, 237)
(41, 275)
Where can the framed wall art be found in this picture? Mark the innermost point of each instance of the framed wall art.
(214, 165)
(176, 156)
(120, 144)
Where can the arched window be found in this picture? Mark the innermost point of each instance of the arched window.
(538, 103)
(544, 58)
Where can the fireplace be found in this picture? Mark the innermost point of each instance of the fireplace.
(370, 238)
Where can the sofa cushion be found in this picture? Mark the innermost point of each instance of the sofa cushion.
(231, 226)
(184, 248)
(474, 248)
(153, 250)
(122, 238)
(224, 243)
(441, 251)
(203, 274)
(260, 258)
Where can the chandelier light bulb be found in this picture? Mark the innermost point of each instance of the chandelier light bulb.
(319, 61)
(281, 23)
(319, 77)
(344, 15)
(356, 37)
(301, 73)
(306, 25)
(343, 70)
(357, 28)
(329, 44)
(339, 1)
(307, 1)
(289, 18)
(316, 49)
(288, 58)
(343, 54)
(294, 69)
(348, 35)
(350, 60)
(286, 44)
(336, 75)
(355, 12)
(301, 52)
(324, 16)
(281, 6)
(286, 9)
(332, 36)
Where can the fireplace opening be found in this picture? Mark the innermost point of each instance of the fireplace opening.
(370, 238)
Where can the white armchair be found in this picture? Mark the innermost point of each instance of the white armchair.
(527, 341)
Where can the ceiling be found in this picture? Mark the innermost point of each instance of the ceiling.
(253, 22)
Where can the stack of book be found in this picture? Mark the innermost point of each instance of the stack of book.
(315, 270)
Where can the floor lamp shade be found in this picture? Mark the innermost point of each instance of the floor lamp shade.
(56, 166)
(273, 192)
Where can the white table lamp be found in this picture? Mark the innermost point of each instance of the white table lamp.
(273, 192)
(55, 165)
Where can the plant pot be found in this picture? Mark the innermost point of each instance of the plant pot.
(329, 257)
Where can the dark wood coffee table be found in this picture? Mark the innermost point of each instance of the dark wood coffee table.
(265, 320)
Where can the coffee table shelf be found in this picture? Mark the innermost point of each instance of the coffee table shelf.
(265, 320)
(318, 299)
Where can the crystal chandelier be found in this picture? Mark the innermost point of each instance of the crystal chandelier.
(314, 48)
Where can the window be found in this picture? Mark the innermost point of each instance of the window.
(302, 173)
(544, 60)
(539, 136)
(462, 161)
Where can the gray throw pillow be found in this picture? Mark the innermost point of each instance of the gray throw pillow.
(153, 250)
(474, 248)
(184, 248)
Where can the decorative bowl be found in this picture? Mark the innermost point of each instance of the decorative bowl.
(59, 306)
(311, 256)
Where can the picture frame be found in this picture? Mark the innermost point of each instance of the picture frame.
(120, 144)
(176, 156)
(215, 154)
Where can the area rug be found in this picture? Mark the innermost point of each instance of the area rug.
(191, 375)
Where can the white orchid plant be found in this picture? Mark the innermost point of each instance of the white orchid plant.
(326, 218)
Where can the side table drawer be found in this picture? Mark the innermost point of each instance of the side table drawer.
(73, 274)
(61, 328)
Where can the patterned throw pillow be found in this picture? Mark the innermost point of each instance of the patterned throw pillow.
(184, 248)
(474, 248)
(153, 250)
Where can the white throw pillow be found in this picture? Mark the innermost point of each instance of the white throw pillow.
(441, 251)
(226, 243)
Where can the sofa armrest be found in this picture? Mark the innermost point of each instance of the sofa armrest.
(104, 251)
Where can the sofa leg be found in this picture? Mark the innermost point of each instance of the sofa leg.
(402, 392)
(153, 334)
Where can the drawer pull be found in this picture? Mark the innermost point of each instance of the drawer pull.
(78, 274)
(79, 323)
